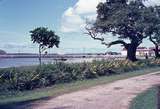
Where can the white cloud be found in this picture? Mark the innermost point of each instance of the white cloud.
(152, 2)
(73, 19)
(86, 6)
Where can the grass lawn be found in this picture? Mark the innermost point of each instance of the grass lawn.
(146, 100)
(20, 98)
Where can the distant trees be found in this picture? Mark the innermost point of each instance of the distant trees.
(126, 20)
(45, 38)
(2, 52)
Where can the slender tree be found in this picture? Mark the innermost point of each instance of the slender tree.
(45, 38)
(126, 20)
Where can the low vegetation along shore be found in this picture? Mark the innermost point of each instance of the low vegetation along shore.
(31, 83)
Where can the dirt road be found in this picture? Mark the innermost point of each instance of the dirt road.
(115, 95)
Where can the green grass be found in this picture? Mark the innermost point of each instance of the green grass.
(146, 100)
(20, 97)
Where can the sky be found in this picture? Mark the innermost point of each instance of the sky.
(66, 17)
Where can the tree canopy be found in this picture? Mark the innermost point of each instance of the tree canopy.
(46, 38)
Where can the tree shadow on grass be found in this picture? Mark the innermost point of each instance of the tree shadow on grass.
(24, 104)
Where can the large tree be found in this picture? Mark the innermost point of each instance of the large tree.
(45, 38)
(154, 29)
(126, 20)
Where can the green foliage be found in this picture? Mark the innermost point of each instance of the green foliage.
(124, 19)
(44, 37)
(29, 78)
(132, 20)
(121, 18)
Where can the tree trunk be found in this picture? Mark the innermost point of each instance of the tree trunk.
(131, 52)
(156, 50)
(40, 56)
(157, 55)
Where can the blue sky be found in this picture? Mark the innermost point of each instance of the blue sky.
(65, 17)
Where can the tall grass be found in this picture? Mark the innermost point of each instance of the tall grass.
(29, 78)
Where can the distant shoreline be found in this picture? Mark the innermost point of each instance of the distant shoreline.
(80, 55)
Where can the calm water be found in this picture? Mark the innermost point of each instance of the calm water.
(15, 62)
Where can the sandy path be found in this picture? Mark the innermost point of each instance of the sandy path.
(115, 95)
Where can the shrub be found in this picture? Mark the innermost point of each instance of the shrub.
(29, 78)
